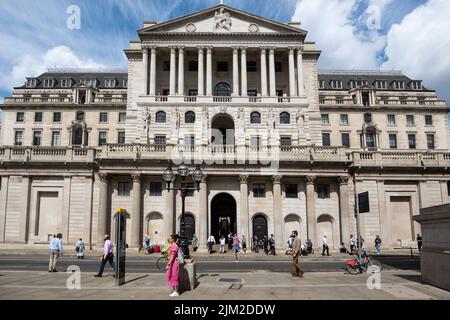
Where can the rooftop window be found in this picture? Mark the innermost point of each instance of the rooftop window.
(31, 83)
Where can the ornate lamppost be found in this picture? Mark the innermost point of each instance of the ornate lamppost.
(169, 177)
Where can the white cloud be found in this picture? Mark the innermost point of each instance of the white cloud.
(34, 65)
(420, 45)
(329, 23)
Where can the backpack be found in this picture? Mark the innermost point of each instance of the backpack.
(180, 256)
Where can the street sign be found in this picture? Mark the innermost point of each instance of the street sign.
(363, 199)
(121, 223)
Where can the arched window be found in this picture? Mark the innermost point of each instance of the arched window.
(78, 137)
(255, 117)
(285, 118)
(222, 89)
(160, 117)
(189, 117)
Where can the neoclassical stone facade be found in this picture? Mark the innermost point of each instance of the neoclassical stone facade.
(283, 146)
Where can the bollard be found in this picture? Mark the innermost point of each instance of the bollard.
(412, 256)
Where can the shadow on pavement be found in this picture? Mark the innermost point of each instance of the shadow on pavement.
(135, 279)
(400, 262)
(410, 277)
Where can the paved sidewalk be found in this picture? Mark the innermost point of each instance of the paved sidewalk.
(255, 285)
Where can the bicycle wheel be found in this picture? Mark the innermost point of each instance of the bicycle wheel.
(352, 269)
(375, 265)
(161, 263)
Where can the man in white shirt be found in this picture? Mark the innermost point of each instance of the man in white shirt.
(211, 242)
(56, 250)
(325, 246)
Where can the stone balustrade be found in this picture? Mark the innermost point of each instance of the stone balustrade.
(46, 154)
(401, 159)
(61, 100)
(221, 99)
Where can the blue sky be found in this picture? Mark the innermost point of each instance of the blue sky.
(413, 34)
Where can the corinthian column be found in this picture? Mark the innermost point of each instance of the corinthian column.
(301, 86)
(344, 213)
(203, 197)
(201, 73)
(145, 69)
(153, 72)
(209, 71)
(244, 72)
(263, 73)
(235, 72)
(272, 81)
(181, 71)
(277, 213)
(102, 208)
(292, 83)
(245, 230)
(136, 218)
(311, 208)
(173, 64)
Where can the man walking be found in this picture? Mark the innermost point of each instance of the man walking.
(107, 256)
(352, 244)
(325, 246)
(296, 246)
(272, 245)
(56, 250)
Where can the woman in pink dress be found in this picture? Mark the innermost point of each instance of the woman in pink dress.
(173, 267)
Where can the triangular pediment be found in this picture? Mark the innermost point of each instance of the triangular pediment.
(221, 19)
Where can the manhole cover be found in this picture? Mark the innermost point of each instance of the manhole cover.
(230, 280)
(235, 286)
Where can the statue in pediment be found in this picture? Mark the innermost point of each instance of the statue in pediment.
(222, 20)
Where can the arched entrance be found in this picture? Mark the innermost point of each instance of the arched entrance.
(222, 90)
(260, 226)
(155, 227)
(189, 222)
(222, 130)
(223, 215)
(291, 223)
(325, 224)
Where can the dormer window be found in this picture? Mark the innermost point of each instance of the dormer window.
(66, 83)
(322, 84)
(399, 85)
(336, 84)
(110, 83)
(381, 85)
(416, 85)
(31, 83)
(357, 83)
(49, 83)
(125, 83)
(89, 82)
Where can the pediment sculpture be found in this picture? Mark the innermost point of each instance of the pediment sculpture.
(222, 20)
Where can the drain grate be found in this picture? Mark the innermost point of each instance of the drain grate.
(235, 286)
(230, 280)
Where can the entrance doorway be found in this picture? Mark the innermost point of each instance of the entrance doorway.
(189, 222)
(223, 215)
(222, 130)
(260, 226)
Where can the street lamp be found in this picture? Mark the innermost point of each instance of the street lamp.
(169, 177)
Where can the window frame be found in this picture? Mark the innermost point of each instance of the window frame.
(259, 190)
(100, 132)
(155, 192)
(290, 191)
(323, 191)
(285, 117)
(252, 117)
(123, 188)
(160, 117)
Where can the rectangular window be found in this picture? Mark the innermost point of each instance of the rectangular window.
(322, 84)
(381, 85)
(278, 66)
(345, 140)
(428, 120)
(121, 137)
(125, 83)
(56, 138)
(103, 117)
(38, 117)
(410, 120)
(20, 116)
(37, 138)
(123, 189)
(412, 141)
(122, 117)
(18, 138)
(430, 141)
(336, 84)
(391, 119)
(416, 85)
(160, 139)
(392, 141)
(102, 138)
(66, 83)
(259, 190)
(286, 140)
(48, 83)
(222, 66)
(399, 85)
(190, 193)
(255, 140)
(189, 139)
(56, 116)
(344, 119)
(110, 83)
(325, 119)
(323, 191)
(252, 93)
(193, 65)
(251, 66)
(291, 190)
(166, 66)
(193, 92)
(326, 139)
(89, 82)
(31, 83)
(155, 189)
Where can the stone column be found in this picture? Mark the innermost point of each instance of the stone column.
(263, 73)
(102, 208)
(203, 215)
(173, 65)
(235, 71)
(181, 71)
(311, 209)
(24, 215)
(153, 72)
(444, 191)
(272, 81)
(169, 227)
(145, 67)
(136, 218)
(201, 73)
(301, 86)
(209, 71)
(292, 83)
(3, 206)
(277, 213)
(244, 72)
(344, 214)
(245, 222)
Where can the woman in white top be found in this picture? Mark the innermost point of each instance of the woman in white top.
(222, 244)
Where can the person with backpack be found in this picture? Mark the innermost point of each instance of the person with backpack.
(173, 266)
(378, 244)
